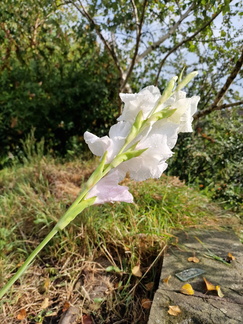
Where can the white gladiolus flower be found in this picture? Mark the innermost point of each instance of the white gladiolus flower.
(142, 140)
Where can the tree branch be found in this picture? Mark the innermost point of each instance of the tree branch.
(214, 106)
(166, 36)
(139, 25)
(85, 13)
(183, 42)
(233, 104)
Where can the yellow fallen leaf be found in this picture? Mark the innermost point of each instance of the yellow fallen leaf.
(21, 315)
(20, 264)
(44, 286)
(136, 271)
(230, 256)
(146, 303)
(174, 310)
(187, 289)
(47, 283)
(193, 259)
(45, 303)
(166, 280)
(209, 285)
(219, 291)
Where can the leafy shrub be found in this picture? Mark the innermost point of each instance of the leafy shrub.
(211, 157)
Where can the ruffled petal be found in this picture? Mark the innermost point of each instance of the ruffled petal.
(151, 163)
(108, 190)
(144, 100)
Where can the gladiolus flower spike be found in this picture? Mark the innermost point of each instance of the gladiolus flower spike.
(149, 124)
(139, 144)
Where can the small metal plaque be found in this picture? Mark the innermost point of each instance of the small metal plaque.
(187, 274)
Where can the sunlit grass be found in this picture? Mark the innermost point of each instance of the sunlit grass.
(104, 243)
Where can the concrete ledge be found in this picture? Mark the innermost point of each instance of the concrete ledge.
(202, 307)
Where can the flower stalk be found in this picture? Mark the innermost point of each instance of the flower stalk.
(139, 144)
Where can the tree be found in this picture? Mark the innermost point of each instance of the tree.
(150, 39)
(53, 77)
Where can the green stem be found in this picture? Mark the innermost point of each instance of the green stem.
(31, 257)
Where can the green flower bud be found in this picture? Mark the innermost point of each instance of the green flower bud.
(186, 80)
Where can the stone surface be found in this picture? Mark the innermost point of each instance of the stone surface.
(202, 307)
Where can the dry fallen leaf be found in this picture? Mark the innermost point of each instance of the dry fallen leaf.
(230, 257)
(166, 280)
(193, 259)
(187, 289)
(149, 286)
(87, 319)
(174, 310)
(20, 264)
(136, 271)
(44, 286)
(45, 303)
(47, 283)
(146, 303)
(21, 315)
(219, 291)
(66, 306)
(209, 285)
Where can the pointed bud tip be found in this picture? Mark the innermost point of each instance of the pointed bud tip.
(194, 73)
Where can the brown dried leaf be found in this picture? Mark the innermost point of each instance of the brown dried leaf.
(187, 289)
(66, 306)
(209, 285)
(174, 310)
(193, 259)
(149, 286)
(21, 315)
(136, 271)
(87, 319)
(219, 292)
(166, 280)
(146, 303)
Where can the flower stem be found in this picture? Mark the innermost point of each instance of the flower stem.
(31, 257)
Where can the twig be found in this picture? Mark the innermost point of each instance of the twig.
(183, 42)
(85, 13)
(139, 25)
(166, 36)
(214, 106)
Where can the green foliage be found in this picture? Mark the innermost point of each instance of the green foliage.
(60, 83)
(211, 157)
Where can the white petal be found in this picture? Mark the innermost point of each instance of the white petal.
(108, 190)
(144, 100)
(151, 163)
(187, 117)
(97, 145)
(168, 129)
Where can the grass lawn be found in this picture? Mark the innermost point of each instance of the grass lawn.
(106, 264)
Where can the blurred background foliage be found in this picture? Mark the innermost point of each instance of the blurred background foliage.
(63, 64)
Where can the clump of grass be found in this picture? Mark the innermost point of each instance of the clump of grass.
(90, 263)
